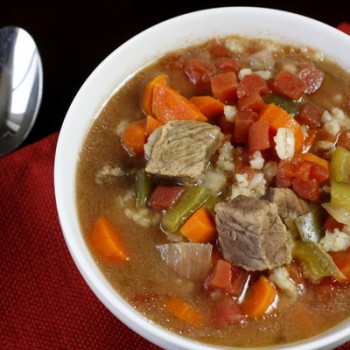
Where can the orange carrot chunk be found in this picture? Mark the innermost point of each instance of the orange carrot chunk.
(313, 159)
(259, 298)
(134, 138)
(208, 105)
(279, 118)
(147, 98)
(107, 242)
(168, 104)
(184, 311)
(151, 125)
(199, 227)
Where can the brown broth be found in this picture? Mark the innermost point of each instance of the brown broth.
(146, 276)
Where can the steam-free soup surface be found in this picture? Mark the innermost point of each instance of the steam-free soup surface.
(278, 131)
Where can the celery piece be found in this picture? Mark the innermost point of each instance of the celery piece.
(290, 106)
(316, 262)
(191, 199)
(340, 194)
(309, 226)
(340, 165)
(143, 188)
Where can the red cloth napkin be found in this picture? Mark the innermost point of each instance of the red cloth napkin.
(44, 301)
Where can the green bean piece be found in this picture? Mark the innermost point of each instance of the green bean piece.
(309, 226)
(143, 188)
(191, 199)
(340, 165)
(316, 262)
(290, 106)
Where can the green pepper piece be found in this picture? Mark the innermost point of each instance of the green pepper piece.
(340, 165)
(316, 262)
(340, 194)
(191, 199)
(290, 106)
(143, 188)
(309, 226)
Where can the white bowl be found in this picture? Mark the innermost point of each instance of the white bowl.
(113, 72)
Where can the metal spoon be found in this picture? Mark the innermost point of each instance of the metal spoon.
(21, 84)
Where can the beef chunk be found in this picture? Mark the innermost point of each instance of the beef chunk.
(290, 206)
(252, 234)
(182, 148)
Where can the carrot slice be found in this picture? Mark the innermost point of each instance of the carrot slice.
(146, 102)
(168, 104)
(279, 118)
(107, 242)
(200, 226)
(208, 105)
(184, 311)
(151, 125)
(259, 298)
(134, 137)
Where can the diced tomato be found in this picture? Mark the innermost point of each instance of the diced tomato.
(218, 49)
(252, 102)
(227, 64)
(224, 86)
(310, 115)
(342, 260)
(288, 84)
(243, 121)
(344, 27)
(344, 139)
(259, 135)
(163, 197)
(198, 71)
(228, 277)
(225, 311)
(309, 189)
(319, 173)
(226, 127)
(330, 224)
(312, 77)
(250, 84)
(302, 170)
(285, 169)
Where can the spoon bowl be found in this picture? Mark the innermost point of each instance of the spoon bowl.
(21, 85)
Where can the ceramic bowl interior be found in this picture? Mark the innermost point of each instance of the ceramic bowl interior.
(119, 66)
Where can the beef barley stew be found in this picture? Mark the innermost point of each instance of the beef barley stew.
(214, 192)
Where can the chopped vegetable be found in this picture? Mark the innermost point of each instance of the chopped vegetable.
(313, 78)
(168, 104)
(309, 226)
(290, 106)
(107, 242)
(200, 226)
(252, 102)
(143, 188)
(252, 84)
(313, 159)
(224, 86)
(230, 278)
(243, 121)
(184, 311)
(147, 98)
(208, 105)
(310, 115)
(279, 118)
(309, 189)
(226, 310)
(342, 260)
(151, 125)
(163, 197)
(191, 199)
(259, 136)
(187, 260)
(134, 137)
(260, 297)
(340, 165)
(340, 195)
(316, 262)
(339, 214)
(198, 71)
(288, 84)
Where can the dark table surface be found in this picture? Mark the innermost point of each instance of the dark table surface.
(74, 36)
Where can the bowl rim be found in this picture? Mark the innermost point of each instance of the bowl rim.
(65, 167)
